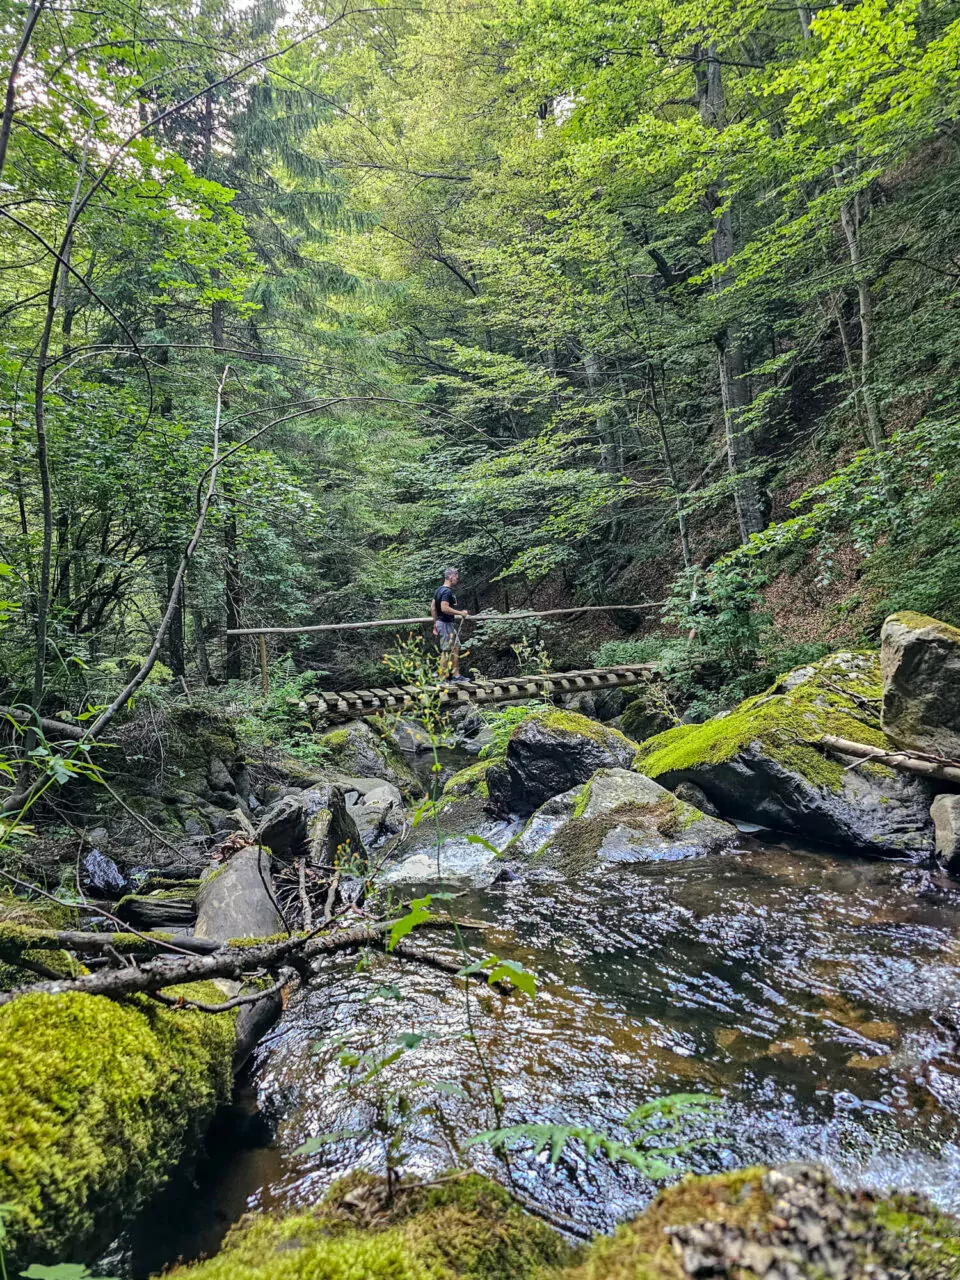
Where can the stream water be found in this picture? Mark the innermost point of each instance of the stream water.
(812, 993)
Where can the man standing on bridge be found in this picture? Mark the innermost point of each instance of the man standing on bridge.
(447, 620)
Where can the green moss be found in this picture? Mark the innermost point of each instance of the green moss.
(255, 942)
(337, 740)
(98, 1101)
(582, 800)
(465, 1229)
(921, 622)
(469, 781)
(928, 1242)
(784, 721)
(469, 1229)
(573, 722)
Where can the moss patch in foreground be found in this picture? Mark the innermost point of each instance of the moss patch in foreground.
(835, 699)
(98, 1102)
(864, 1234)
(464, 1229)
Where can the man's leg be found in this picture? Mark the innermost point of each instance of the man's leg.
(455, 657)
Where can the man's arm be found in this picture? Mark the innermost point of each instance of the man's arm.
(453, 613)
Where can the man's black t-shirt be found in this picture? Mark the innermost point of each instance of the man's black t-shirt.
(441, 594)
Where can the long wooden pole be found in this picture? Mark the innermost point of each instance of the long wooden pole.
(410, 622)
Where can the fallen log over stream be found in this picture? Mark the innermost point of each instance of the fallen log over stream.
(916, 762)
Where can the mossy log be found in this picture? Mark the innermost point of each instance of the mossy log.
(98, 1102)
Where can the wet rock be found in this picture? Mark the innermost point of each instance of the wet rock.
(284, 825)
(332, 835)
(379, 814)
(618, 816)
(761, 763)
(100, 876)
(920, 664)
(218, 776)
(450, 832)
(582, 702)
(945, 812)
(409, 736)
(356, 750)
(645, 716)
(690, 793)
(802, 1227)
(550, 752)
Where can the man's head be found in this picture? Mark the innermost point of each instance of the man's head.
(451, 577)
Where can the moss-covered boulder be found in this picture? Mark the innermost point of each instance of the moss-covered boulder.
(98, 1102)
(464, 1229)
(618, 816)
(752, 1224)
(920, 664)
(550, 752)
(758, 1224)
(355, 750)
(761, 762)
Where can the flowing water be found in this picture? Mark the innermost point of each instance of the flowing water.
(814, 994)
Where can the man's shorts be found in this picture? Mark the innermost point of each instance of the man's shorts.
(449, 637)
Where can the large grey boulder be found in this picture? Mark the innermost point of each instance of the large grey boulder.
(618, 816)
(356, 750)
(315, 823)
(920, 665)
(550, 752)
(237, 899)
(762, 763)
(945, 812)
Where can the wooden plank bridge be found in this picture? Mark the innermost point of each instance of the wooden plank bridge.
(347, 704)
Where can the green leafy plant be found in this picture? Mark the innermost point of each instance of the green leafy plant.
(502, 722)
(656, 1147)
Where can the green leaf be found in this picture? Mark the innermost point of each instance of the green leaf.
(474, 839)
(511, 971)
(322, 1140)
(61, 1271)
(418, 914)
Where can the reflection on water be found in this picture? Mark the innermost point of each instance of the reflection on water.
(812, 993)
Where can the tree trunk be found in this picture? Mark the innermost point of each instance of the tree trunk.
(200, 645)
(671, 475)
(850, 221)
(233, 668)
(175, 645)
(734, 388)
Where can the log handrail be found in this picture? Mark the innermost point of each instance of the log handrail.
(410, 622)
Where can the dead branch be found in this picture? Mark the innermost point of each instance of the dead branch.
(252, 997)
(229, 962)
